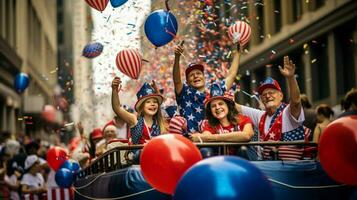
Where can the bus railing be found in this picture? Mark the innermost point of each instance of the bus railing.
(111, 159)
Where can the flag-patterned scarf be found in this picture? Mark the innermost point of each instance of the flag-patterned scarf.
(137, 130)
(277, 126)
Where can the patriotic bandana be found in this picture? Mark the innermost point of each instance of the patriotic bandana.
(137, 130)
(274, 128)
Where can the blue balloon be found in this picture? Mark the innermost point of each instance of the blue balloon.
(64, 178)
(71, 165)
(223, 178)
(117, 3)
(160, 27)
(92, 50)
(21, 82)
(207, 152)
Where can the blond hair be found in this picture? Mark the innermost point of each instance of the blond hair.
(157, 117)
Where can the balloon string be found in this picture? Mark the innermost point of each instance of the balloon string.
(172, 24)
(171, 33)
(167, 5)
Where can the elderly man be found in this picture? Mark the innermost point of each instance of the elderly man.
(279, 121)
(190, 95)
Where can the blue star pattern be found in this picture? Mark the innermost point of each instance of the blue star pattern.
(137, 130)
(191, 106)
(296, 134)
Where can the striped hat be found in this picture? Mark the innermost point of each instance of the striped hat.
(177, 125)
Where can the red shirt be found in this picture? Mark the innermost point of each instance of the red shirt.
(219, 129)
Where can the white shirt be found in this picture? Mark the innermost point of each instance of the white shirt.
(33, 182)
(122, 132)
(288, 120)
(12, 180)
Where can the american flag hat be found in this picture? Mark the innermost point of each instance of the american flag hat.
(269, 83)
(145, 92)
(216, 92)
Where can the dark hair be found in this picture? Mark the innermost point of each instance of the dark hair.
(350, 98)
(305, 101)
(325, 110)
(32, 145)
(232, 113)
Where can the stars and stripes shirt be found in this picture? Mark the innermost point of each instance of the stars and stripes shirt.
(191, 106)
(291, 129)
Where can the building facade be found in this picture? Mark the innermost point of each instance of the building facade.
(27, 44)
(320, 36)
(83, 108)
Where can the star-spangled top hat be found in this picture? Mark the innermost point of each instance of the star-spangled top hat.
(216, 92)
(145, 92)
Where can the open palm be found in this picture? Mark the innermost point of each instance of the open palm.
(289, 67)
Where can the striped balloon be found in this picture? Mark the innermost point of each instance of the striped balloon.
(98, 4)
(240, 32)
(129, 62)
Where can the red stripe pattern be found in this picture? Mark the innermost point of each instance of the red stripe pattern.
(129, 62)
(176, 125)
(289, 152)
(60, 194)
(98, 4)
(241, 28)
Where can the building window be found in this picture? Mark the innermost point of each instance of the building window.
(259, 17)
(316, 4)
(245, 90)
(2, 107)
(297, 58)
(319, 69)
(297, 10)
(345, 49)
(277, 15)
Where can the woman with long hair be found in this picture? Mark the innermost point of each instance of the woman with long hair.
(149, 121)
(223, 123)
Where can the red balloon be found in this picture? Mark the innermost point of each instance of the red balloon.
(49, 113)
(338, 150)
(98, 4)
(56, 156)
(240, 29)
(129, 62)
(165, 159)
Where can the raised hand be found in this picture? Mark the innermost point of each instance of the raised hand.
(289, 68)
(179, 49)
(154, 86)
(116, 84)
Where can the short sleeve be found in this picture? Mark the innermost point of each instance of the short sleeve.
(253, 114)
(244, 120)
(206, 127)
(290, 123)
(180, 96)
